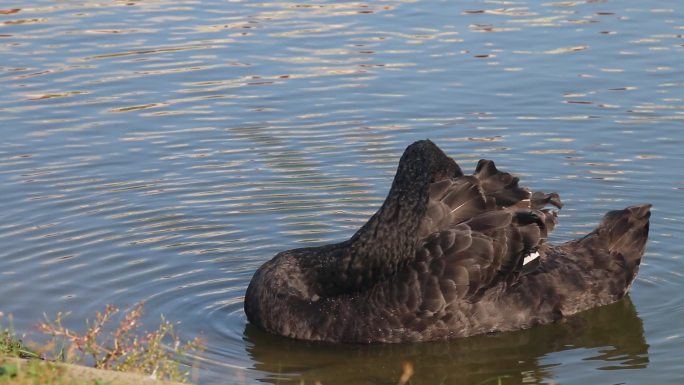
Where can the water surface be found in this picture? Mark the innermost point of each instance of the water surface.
(163, 150)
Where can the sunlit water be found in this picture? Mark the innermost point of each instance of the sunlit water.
(163, 150)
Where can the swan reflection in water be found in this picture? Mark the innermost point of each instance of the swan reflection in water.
(614, 333)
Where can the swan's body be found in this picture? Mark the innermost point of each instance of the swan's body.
(447, 256)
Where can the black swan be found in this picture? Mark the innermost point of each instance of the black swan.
(447, 255)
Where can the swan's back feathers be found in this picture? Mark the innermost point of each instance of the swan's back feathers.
(501, 186)
(477, 254)
(455, 200)
(477, 231)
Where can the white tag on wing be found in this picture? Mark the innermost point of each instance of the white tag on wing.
(530, 257)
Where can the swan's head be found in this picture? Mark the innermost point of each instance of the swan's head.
(276, 283)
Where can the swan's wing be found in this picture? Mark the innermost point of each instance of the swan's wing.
(453, 201)
(459, 264)
(478, 232)
(470, 257)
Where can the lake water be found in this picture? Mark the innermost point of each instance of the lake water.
(163, 150)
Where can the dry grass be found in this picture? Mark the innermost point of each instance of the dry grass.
(105, 344)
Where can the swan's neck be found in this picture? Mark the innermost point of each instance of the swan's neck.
(388, 240)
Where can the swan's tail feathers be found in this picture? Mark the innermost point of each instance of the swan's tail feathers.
(626, 232)
(615, 248)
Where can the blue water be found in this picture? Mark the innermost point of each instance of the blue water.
(163, 150)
